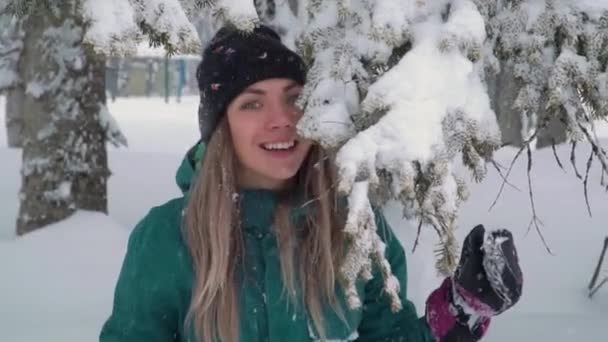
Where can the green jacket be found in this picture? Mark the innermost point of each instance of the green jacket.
(153, 292)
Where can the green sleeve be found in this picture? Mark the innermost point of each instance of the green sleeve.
(379, 323)
(144, 307)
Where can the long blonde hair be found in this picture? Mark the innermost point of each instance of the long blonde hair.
(215, 239)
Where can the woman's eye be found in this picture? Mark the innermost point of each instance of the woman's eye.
(251, 105)
(293, 99)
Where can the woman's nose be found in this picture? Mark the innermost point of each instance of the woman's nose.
(282, 115)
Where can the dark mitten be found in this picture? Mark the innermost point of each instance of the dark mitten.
(488, 281)
(488, 277)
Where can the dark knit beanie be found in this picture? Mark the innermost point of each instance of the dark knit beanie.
(233, 61)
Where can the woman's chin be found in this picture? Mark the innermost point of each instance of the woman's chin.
(280, 175)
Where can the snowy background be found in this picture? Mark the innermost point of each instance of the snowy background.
(57, 284)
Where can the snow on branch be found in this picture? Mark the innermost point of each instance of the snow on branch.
(113, 29)
(110, 126)
(396, 89)
(166, 24)
(429, 90)
(241, 14)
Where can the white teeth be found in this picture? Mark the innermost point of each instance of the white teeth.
(280, 146)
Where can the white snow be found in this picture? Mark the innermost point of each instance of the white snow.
(241, 13)
(168, 16)
(113, 25)
(7, 77)
(110, 126)
(57, 283)
(62, 192)
(595, 8)
(494, 265)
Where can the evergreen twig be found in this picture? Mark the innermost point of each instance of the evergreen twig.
(589, 162)
(504, 182)
(559, 162)
(497, 167)
(417, 235)
(573, 160)
(535, 220)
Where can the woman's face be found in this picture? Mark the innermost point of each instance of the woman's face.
(262, 122)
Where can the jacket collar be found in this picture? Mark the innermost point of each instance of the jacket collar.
(258, 206)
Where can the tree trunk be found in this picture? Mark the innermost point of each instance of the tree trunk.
(14, 117)
(64, 153)
(555, 132)
(293, 4)
(503, 89)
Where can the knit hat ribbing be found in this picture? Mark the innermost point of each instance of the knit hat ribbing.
(233, 61)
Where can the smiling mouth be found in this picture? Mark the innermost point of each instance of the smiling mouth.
(280, 146)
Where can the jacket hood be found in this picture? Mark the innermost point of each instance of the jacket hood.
(257, 205)
(189, 167)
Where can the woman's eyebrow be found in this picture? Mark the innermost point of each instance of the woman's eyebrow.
(290, 86)
(263, 92)
(255, 91)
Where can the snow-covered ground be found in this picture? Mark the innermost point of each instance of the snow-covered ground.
(57, 284)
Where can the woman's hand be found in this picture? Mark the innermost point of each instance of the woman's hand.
(489, 270)
(487, 282)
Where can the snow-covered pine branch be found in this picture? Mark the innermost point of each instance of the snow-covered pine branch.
(555, 53)
(399, 124)
(115, 27)
(166, 24)
(399, 90)
(11, 45)
(555, 47)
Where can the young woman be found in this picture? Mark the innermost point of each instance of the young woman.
(252, 250)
